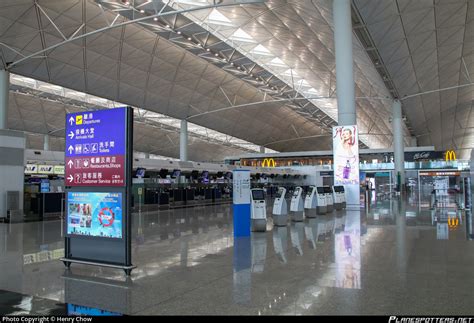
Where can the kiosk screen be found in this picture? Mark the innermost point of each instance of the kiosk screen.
(258, 195)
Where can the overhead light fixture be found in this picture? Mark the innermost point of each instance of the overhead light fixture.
(208, 49)
(142, 11)
(155, 18)
(232, 63)
(178, 32)
(167, 26)
(189, 38)
(216, 54)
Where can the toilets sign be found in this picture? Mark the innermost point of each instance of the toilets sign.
(95, 148)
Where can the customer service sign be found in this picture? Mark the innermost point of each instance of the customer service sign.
(346, 155)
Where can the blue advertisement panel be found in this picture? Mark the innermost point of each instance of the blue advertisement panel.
(95, 214)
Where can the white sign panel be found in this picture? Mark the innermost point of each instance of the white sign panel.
(241, 184)
(31, 169)
(45, 169)
(59, 170)
(346, 155)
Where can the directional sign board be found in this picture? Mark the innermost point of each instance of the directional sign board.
(95, 148)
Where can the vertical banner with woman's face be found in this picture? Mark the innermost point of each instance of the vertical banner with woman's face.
(345, 141)
(346, 155)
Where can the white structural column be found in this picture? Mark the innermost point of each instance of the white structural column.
(4, 92)
(344, 62)
(46, 143)
(398, 149)
(262, 149)
(183, 141)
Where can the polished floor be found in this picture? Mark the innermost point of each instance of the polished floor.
(393, 258)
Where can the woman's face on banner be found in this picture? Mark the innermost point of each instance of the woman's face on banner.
(346, 135)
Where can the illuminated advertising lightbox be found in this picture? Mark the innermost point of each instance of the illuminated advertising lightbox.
(346, 155)
(94, 214)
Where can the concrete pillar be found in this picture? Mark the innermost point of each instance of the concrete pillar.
(4, 92)
(398, 149)
(344, 62)
(146, 155)
(262, 150)
(413, 142)
(12, 167)
(183, 141)
(46, 143)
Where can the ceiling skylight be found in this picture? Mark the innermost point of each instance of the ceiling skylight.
(216, 18)
(242, 36)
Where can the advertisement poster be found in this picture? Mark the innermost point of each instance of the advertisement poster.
(346, 155)
(94, 214)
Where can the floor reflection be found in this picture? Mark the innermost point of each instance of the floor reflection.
(189, 263)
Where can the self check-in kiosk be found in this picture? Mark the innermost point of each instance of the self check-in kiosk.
(280, 208)
(258, 211)
(297, 205)
(339, 197)
(321, 201)
(310, 202)
(329, 199)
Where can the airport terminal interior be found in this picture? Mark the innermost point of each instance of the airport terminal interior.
(236, 157)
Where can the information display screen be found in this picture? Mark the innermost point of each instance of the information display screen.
(258, 195)
(339, 189)
(140, 172)
(320, 190)
(95, 214)
(327, 189)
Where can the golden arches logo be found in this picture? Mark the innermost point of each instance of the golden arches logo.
(450, 155)
(268, 162)
(453, 222)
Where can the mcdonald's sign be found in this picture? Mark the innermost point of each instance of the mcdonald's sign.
(268, 162)
(450, 155)
(453, 222)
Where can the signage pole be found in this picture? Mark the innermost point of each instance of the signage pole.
(128, 189)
